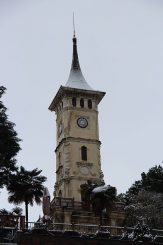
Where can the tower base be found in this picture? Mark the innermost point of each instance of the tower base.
(68, 211)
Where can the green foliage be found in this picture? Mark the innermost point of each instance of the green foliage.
(144, 199)
(22, 185)
(145, 207)
(14, 211)
(26, 186)
(17, 211)
(150, 181)
(153, 180)
(86, 191)
(98, 196)
(9, 144)
(4, 211)
(103, 197)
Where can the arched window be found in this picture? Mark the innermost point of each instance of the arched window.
(90, 104)
(84, 153)
(74, 101)
(81, 103)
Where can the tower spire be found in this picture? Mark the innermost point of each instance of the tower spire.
(75, 60)
(74, 24)
(76, 78)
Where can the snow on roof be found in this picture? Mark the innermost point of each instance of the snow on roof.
(77, 80)
(100, 189)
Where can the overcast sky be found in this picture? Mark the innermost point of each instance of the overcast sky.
(120, 47)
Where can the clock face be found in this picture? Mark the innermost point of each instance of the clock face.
(82, 122)
(84, 170)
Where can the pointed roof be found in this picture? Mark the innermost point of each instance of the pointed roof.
(76, 78)
(76, 83)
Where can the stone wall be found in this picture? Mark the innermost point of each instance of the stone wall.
(44, 238)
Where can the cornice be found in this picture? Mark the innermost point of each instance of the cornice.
(67, 91)
(76, 139)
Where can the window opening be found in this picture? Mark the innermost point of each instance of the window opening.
(90, 104)
(81, 103)
(84, 153)
(74, 101)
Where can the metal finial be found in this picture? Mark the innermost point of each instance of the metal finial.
(73, 24)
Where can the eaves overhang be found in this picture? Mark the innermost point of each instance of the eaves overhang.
(68, 91)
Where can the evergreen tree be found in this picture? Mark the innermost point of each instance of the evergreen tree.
(26, 186)
(103, 198)
(150, 181)
(4, 211)
(153, 180)
(17, 211)
(86, 190)
(145, 207)
(98, 195)
(144, 199)
(9, 144)
(14, 211)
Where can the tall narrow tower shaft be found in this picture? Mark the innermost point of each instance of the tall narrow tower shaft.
(78, 146)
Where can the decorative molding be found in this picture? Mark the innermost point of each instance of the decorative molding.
(84, 164)
(77, 139)
(67, 91)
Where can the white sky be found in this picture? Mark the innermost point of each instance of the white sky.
(120, 47)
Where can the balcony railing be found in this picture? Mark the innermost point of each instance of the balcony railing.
(86, 228)
(8, 234)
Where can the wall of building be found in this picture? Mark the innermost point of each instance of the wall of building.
(42, 239)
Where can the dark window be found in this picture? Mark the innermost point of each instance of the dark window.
(74, 101)
(84, 153)
(82, 103)
(90, 104)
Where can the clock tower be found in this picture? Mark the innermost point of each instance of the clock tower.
(77, 144)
